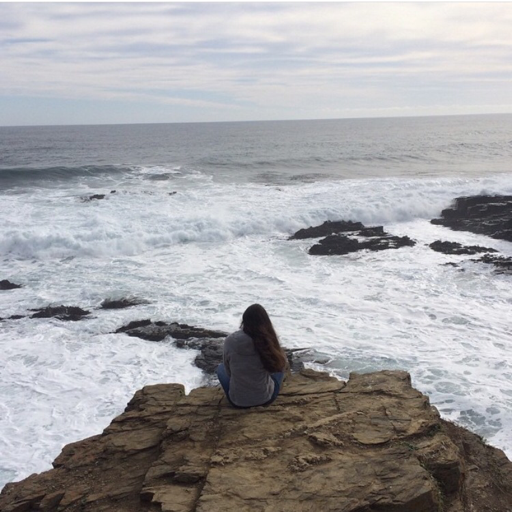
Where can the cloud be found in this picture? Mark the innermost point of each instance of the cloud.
(253, 59)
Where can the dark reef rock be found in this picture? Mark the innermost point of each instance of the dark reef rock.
(7, 285)
(341, 244)
(327, 228)
(373, 231)
(503, 265)
(96, 197)
(207, 341)
(69, 313)
(157, 331)
(483, 215)
(456, 248)
(125, 302)
(335, 243)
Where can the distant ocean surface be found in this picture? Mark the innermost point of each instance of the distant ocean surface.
(198, 227)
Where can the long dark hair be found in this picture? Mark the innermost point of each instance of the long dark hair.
(256, 324)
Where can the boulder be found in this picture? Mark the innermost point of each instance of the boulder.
(373, 443)
(482, 214)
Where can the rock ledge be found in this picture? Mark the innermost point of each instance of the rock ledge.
(371, 444)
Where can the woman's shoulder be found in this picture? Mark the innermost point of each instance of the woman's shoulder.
(239, 342)
(238, 336)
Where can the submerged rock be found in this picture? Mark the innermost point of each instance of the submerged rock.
(341, 244)
(502, 264)
(5, 284)
(72, 313)
(96, 197)
(125, 302)
(482, 214)
(374, 443)
(456, 248)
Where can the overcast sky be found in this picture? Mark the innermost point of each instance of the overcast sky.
(88, 63)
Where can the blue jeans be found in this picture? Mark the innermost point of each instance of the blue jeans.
(224, 382)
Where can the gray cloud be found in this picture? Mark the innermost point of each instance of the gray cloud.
(231, 61)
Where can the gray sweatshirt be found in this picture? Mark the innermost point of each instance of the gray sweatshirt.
(250, 384)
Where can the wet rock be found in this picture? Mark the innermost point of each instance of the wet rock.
(456, 248)
(68, 313)
(341, 244)
(125, 302)
(5, 284)
(373, 443)
(372, 231)
(96, 197)
(502, 264)
(482, 214)
(327, 228)
(208, 342)
(157, 331)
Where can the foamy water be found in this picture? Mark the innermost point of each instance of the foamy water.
(199, 252)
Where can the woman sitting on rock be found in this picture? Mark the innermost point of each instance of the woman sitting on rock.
(254, 362)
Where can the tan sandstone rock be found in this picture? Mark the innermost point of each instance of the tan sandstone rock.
(371, 444)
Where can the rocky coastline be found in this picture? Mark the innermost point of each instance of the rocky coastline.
(372, 443)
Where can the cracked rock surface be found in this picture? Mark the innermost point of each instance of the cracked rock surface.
(373, 443)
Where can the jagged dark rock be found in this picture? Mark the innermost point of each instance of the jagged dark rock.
(208, 342)
(69, 313)
(5, 284)
(372, 231)
(502, 264)
(341, 244)
(96, 197)
(125, 302)
(456, 248)
(93, 197)
(157, 331)
(372, 443)
(327, 228)
(482, 214)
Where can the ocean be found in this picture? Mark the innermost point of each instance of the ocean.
(198, 228)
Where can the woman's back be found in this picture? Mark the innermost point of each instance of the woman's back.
(250, 383)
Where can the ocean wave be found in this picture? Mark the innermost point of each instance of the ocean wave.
(20, 176)
(127, 224)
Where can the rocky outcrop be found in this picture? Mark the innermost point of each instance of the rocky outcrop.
(483, 215)
(327, 228)
(5, 284)
(335, 243)
(341, 244)
(209, 342)
(502, 264)
(456, 248)
(157, 331)
(72, 313)
(373, 443)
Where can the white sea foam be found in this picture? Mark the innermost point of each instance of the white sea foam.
(201, 256)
